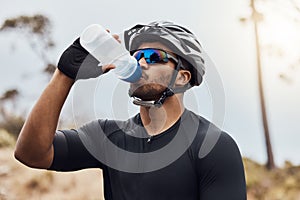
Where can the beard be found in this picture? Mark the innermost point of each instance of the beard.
(146, 92)
(149, 89)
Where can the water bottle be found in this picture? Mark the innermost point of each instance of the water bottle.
(107, 50)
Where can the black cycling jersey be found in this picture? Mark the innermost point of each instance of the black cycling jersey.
(217, 175)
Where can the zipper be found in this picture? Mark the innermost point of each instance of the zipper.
(149, 139)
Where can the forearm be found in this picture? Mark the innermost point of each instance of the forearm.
(34, 145)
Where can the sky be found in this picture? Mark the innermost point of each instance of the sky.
(229, 44)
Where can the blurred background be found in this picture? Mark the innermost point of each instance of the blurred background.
(254, 46)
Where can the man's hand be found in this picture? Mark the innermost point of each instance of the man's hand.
(77, 63)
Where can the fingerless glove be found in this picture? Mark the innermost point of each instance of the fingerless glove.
(76, 63)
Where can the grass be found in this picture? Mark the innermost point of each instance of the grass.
(278, 184)
(6, 139)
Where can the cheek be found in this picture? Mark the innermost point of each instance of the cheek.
(162, 78)
(160, 75)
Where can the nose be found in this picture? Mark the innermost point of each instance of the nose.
(143, 63)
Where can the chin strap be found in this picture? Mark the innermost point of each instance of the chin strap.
(169, 91)
(158, 103)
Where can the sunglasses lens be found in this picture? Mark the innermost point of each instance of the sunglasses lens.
(151, 55)
(155, 56)
(138, 55)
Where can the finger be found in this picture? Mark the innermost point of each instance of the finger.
(107, 68)
(117, 37)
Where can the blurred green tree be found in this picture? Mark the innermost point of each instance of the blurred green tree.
(37, 32)
(11, 122)
(256, 18)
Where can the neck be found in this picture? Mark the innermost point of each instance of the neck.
(157, 120)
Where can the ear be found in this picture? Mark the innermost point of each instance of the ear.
(183, 78)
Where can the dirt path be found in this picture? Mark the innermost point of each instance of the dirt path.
(20, 182)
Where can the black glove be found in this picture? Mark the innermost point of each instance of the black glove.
(77, 63)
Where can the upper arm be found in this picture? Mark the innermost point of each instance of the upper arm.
(221, 172)
(70, 154)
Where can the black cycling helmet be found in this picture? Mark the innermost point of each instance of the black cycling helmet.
(180, 40)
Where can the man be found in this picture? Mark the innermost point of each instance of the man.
(155, 154)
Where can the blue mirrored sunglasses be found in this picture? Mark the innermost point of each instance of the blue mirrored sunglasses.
(153, 56)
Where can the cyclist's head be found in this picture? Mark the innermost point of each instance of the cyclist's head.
(178, 39)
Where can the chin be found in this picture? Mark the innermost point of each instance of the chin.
(146, 92)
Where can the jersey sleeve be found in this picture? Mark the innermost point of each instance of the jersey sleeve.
(221, 172)
(70, 153)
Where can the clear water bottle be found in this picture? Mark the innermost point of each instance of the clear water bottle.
(105, 48)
